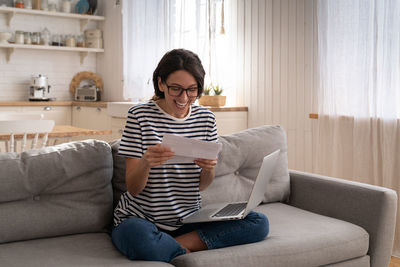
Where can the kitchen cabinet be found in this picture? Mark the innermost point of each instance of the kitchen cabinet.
(231, 121)
(60, 114)
(95, 118)
(117, 127)
(13, 13)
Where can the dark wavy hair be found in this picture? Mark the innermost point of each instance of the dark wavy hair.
(178, 59)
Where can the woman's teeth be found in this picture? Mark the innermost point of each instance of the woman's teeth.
(180, 104)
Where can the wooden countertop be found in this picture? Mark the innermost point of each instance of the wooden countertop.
(62, 131)
(35, 103)
(100, 104)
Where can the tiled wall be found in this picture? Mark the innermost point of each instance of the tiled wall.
(58, 66)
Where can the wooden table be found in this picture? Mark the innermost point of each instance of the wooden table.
(62, 131)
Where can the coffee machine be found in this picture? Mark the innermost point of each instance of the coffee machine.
(39, 88)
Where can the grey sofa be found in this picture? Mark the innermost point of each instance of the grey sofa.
(56, 207)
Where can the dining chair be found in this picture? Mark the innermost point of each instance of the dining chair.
(23, 127)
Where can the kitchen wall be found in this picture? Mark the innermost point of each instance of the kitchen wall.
(276, 38)
(59, 66)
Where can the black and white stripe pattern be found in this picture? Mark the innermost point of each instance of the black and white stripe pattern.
(172, 190)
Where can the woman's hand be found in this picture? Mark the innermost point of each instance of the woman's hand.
(157, 155)
(206, 164)
(207, 172)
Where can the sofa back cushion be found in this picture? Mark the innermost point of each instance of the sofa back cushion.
(238, 164)
(118, 180)
(57, 190)
(240, 160)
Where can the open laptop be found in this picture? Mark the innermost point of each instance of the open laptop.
(238, 210)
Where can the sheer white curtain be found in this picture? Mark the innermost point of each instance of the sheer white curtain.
(153, 27)
(359, 94)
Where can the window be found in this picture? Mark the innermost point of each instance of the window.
(153, 27)
(359, 57)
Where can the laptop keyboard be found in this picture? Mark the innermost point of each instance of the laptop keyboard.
(231, 210)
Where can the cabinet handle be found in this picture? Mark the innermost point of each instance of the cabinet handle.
(78, 108)
(47, 108)
(98, 109)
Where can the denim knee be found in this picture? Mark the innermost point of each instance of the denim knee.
(260, 224)
(138, 239)
(126, 236)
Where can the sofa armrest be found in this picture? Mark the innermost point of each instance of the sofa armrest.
(371, 207)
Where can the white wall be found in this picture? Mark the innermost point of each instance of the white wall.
(109, 63)
(278, 65)
(59, 66)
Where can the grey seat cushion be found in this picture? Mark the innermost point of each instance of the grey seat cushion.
(94, 249)
(58, 190)
(297, 238)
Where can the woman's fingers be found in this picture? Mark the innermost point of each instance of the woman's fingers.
(206, 163)
(158, 154)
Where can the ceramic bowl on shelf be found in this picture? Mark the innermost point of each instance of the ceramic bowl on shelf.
(4, 37)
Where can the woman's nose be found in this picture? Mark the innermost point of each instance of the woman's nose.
(183, 95)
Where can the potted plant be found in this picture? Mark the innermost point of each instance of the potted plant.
(215, 100)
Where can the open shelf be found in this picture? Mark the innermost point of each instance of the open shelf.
(84, 19)
(11, 48)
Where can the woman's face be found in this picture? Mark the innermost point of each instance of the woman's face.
(173, 104)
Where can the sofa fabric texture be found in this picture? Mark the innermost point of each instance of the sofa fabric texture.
(80, 250)
(58, 190)
(239, 163)
(297, 238)
(56, 204)
(347, 200)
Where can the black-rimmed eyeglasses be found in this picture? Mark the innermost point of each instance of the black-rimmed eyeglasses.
(174, 90)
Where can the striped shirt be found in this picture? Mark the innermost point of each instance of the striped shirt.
(172, 190)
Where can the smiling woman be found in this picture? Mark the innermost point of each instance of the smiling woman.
(160, 195)
(178, 71)
(175, 102)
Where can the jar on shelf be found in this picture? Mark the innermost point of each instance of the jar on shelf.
(62, 39)
(28, 4)
(27, 38)
(7, 3)
(44, 5)
(35, 38)
(37, 4)
(19, 37)
(56, 40)
(53, 7)
(19, 4)
(66, 6)
(80, 41)
(45, 37)
(70, 41)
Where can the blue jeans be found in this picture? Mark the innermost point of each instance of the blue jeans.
(139, 239)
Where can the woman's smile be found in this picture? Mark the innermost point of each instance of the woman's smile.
(177, 105)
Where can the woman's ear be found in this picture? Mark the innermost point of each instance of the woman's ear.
(160, 84)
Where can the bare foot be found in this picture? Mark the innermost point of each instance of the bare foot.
(191, 242)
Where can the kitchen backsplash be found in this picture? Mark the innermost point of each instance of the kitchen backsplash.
(58, 66)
